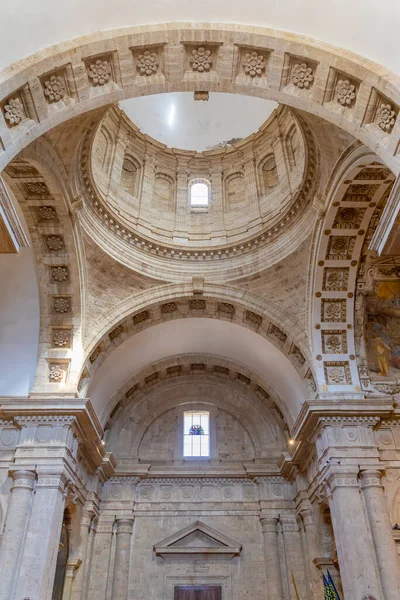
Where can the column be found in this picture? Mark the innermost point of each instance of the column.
(354, 544)
(82, 555)
(271, 555)
(309, 530)
(72, 568)
(251, 188)
(101, 560)
(182, 198)
(39, 557)
(217, 208)
(146, 196)
(15, 529)
(388, 563)
(122, 559)
(294, 556)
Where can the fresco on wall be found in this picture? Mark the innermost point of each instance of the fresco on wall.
(382, 330)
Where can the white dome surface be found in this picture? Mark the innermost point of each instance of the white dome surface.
(358, 25)
(178, 121)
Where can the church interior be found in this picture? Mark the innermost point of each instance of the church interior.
(200, 308)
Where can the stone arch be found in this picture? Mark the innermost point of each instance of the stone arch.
(159, 395)
(264, 397)
(353, 192)
(177, 302)
(40, 184)
(366, 118)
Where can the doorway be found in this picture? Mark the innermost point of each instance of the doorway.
(198, 592)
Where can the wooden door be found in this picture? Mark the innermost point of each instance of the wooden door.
(198, 592)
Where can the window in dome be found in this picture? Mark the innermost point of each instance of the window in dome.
(199, 194)
(196, 434)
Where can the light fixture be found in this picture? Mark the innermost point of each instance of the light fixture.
(291, 442)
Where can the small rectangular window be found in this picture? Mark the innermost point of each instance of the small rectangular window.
(199, 195)
(196, 434)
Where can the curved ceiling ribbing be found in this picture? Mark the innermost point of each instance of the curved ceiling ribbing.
(35, 108)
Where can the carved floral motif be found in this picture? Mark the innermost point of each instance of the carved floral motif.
(61, 305)
(201, 59)
(302, 75)
(100, 72)
(46, 213)
(56, 373)
(345, 92)
(54, 88)
(59, 274)
(385, 117)
(54, 243)
(254, 64)
(14, 111)
(61, 338)
(147, 63)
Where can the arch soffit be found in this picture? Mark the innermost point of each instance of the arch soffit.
(193, 368)
(259, 430)
(354, 190)
(211, 336)
(370, 114)
(179, 302)
(40, 184)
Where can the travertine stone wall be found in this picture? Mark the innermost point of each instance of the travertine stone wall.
(251, 183)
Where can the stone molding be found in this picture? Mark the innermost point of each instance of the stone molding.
(380, 87)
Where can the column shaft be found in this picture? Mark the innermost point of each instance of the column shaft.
(309, 529)
(271, 556)
(379, 522)
(122, 559)
(101, 560)
(15, 530)
(39, 556)
(82, 554)
(294, 557)
(354, 544)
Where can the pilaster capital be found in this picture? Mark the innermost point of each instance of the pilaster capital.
(23, 478)
(371, 477)
(342, 478)
(289, 523)
(125, 525)
(306, 516)
(269, 524)
(52, 479)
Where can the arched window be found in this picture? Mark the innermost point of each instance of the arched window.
(128, 176)
(270, 174)
(196, 434)
(199, 193)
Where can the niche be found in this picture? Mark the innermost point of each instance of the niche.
(291, 146)
(129, 175)
(164, 193)
(235, 190)
(269, 174)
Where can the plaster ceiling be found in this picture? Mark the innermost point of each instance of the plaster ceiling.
(179, 121)
(199, 336)
(359, 25)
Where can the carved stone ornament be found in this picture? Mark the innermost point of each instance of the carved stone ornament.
(56, 374)
(201, 59)
(54, 88)
(14, 111)
(385, 117)
(147, 63)
(46, 213)
(54, 243)
(59, 274)
(302, 76)
(61, 305)
(333, 344)
(100, 72)
(254, 64)
(345, 92)
(61, 338)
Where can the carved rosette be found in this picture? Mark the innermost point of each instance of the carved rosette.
(302, 76)
(14, 111)
(201, 59)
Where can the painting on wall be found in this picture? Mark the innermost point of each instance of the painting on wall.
(382, 329)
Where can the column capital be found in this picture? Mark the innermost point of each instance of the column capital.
(23, 478)
(269, 524)
(289, 523)
(125, 525)
(371, 477)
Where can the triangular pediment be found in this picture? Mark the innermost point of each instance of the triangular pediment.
(198, 538)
